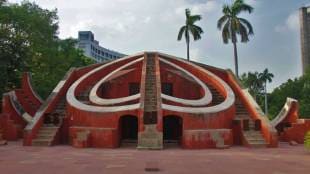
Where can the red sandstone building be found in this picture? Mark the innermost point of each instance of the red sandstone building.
(150, 99)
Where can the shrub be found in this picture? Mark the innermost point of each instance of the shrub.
(307, 140)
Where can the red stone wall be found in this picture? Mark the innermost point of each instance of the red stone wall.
(28, 89)
(99, 137)
(297, 132)
(11, 121)
(119, 87)
(180, 84)
(202, 139)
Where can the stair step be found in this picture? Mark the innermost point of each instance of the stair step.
(45, 136)
(258, 145)
(41, 142)
(255, 138)
(50, 127)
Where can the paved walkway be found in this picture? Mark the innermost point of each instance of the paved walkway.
(16, 159)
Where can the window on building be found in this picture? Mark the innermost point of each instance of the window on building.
(167, 88)
(134, 88)
(84, 37)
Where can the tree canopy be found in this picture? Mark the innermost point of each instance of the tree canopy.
(298, 88)
(29, 42)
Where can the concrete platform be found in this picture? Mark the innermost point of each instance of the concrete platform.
(286, 159)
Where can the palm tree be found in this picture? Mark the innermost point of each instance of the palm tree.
(252, 81)
(232, 25)
(265, 77)
(190, 28)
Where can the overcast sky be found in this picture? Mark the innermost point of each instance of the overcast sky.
(131, 26)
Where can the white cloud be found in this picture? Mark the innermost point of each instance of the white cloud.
(291, 23)
(194, 54)
(131, 26)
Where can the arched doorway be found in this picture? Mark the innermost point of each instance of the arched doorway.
(172, 130)
(128, 129)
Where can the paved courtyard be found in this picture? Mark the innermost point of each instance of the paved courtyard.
(16, 159)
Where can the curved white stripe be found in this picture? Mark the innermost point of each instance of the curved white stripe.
(73, 101)
(19, 109)
(206, 99)
(284, 112)
(228, 102)
(101, 101)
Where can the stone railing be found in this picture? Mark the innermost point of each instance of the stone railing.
(284, 113)
(33, 127)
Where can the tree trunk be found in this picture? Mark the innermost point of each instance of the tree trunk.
(187, 43)
(266, 100)
(236, 59)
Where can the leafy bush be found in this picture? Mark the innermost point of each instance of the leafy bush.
(307, 140)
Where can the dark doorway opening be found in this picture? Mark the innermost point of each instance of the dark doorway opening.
(172, 129)
(128, 127)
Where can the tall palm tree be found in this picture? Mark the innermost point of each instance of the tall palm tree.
(266, 77)
(232, 25)
(190, 28)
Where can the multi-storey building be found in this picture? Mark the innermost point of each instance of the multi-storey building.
(92, 49)
(304, 14)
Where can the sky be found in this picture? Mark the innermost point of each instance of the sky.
(131, 26)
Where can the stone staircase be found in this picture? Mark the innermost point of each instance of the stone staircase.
(45, 135)
(150, 99)
(253, 137)
(217, 98)
(150, 138)
(48, 131)
(84, 96)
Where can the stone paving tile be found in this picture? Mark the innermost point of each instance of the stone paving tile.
(16, 159)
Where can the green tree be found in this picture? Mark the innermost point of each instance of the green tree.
(29, 42)
(24, 30)
(232, 25)
(304, 101)
(252, 81)
(266, 77)
(298, 88)
(48, 72)
(190, 28)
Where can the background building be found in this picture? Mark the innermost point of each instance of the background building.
(305, 36)
(92, 49)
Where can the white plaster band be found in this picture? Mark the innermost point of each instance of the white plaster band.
(228, 102)
(73, 101)
(205, 100)
(93, 97)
